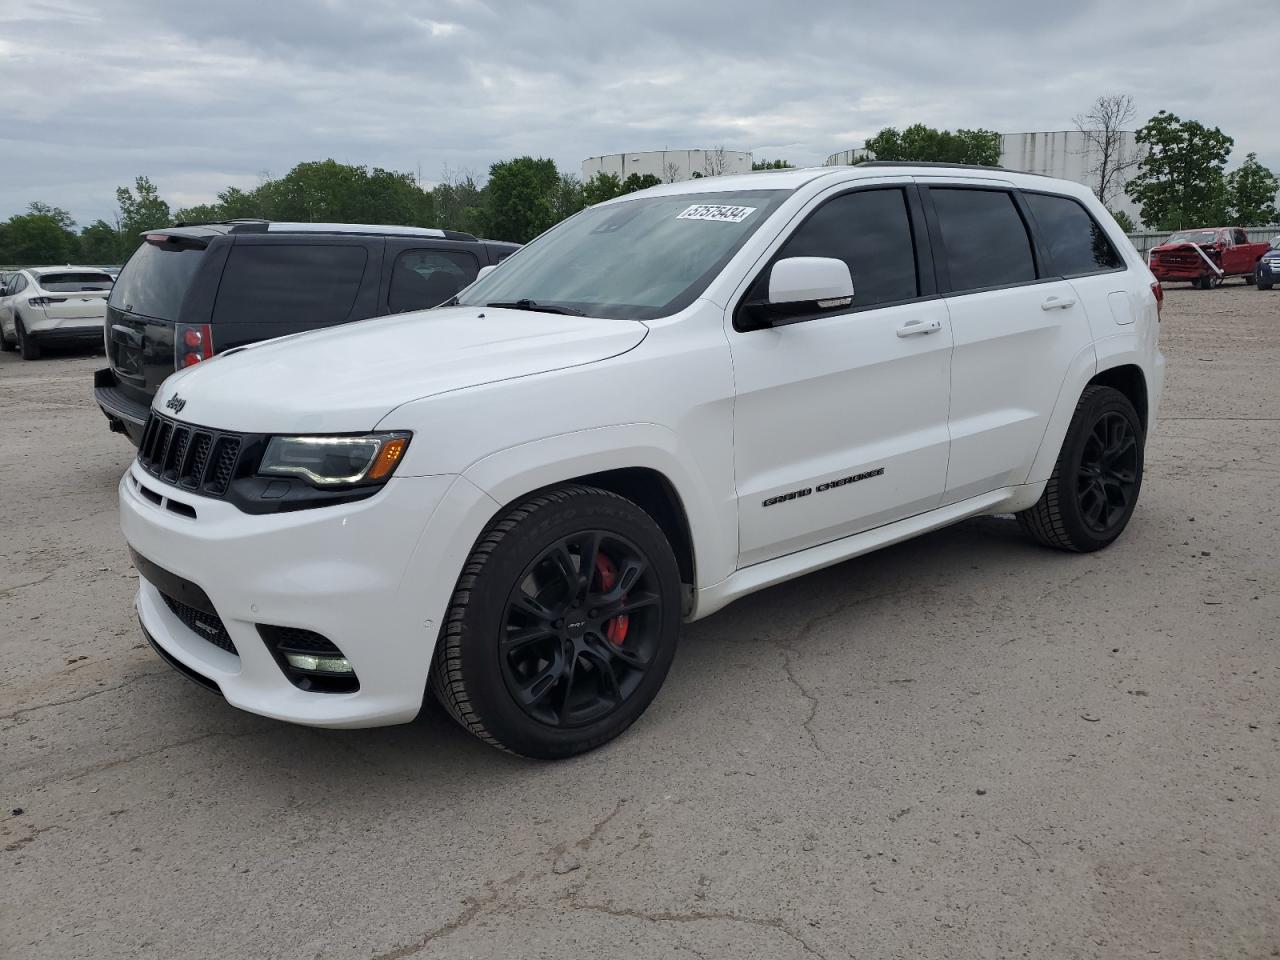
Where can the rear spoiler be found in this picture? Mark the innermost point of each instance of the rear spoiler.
(160, 237)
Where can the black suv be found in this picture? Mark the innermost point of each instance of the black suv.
(189, 292)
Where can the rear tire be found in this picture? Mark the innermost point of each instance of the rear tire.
(1202, 283)
(1096, 481)
(562, 626)
(1248, 279)
(27, 346)
(7, 345)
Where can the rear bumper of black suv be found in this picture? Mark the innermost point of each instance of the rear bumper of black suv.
(123, 413)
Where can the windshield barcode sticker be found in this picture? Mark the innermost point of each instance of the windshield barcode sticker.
(716, 211)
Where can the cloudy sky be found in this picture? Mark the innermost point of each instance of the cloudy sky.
(202, 95)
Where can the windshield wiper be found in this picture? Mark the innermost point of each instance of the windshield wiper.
(536, 307)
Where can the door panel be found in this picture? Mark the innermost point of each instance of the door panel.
(843, 401)
(1012, 351)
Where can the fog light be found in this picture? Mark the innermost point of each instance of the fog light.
(309, 662)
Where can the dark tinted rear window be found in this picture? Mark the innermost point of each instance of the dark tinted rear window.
(75, 282)
(987, 243)
(155, 280)
(287, 283)
(1076, 244)
(422, 279)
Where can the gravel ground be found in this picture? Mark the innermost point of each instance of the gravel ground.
(963, 746)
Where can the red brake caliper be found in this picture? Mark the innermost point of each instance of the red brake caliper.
(616, 628)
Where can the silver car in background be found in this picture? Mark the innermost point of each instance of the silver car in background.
(40, 305)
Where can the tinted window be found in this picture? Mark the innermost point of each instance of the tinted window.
(871, 232)
(75, 282)
(427, 278)
(155, 280)
(287, 283)
(1076, 244)
(987, 244)
(1239, 236)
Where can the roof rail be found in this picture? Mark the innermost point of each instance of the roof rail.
(945, 166)
(256, 225)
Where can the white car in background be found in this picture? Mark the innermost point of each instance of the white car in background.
(53, 305)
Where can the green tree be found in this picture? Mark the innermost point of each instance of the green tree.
(141, 211)
(568, 198)
(1180, 181)
(458, 202)
(926, 145)
(1251, 192)
(771, 165)
(638, 181)
(37, 238)
(519, 201)
(1124, 220)
(59, 216)
(100, 242)
(602, 187)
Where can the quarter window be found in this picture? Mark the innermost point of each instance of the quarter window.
(422, 279)
(282, 283)
(1075, 243)
(870, 230)
(986, 240)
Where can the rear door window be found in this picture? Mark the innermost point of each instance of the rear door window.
(1075, 243)
(986, 241)
(156, 278)
(421, 279)
(290, 283)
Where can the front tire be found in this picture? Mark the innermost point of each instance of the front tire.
(1096, 481)
(7, 345)
(27, 346)
(562, 626)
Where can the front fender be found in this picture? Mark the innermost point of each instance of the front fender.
(510, 474)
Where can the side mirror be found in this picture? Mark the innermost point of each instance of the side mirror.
(485, 271)
(800, 287)
(810, 283)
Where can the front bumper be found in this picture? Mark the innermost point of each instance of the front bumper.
(373, 576)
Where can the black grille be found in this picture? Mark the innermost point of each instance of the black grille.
(206, 625)
(196, 458)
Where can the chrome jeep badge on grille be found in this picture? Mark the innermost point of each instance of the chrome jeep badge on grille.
(175, 403)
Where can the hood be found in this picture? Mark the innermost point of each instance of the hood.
(347, 378)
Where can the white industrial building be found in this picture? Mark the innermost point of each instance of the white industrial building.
(668, 165)
(1067, 154)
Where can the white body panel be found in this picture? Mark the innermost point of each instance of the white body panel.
(965, 420)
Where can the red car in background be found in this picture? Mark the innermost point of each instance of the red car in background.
(1206, 256)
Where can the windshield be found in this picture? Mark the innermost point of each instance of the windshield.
(636, 260)
(1194, 236)
(75, 282)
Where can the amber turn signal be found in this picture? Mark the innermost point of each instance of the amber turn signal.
(387, 458)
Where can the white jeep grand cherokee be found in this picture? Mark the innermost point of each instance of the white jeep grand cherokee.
(664, 403)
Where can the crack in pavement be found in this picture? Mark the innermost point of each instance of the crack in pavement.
(92, 693)
(22, 586)
(122, 761)
(480, 906)
(772, 923)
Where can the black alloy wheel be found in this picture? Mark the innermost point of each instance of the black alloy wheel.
(563, 624)
(1107, 481)
(1097, 478)
(580, 629)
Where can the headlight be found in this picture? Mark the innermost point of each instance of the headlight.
(335, 461)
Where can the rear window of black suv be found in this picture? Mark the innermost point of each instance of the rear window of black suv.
(154, 281)
(285, 282)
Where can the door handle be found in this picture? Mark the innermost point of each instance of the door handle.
(913, 328)
(1058, 303)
